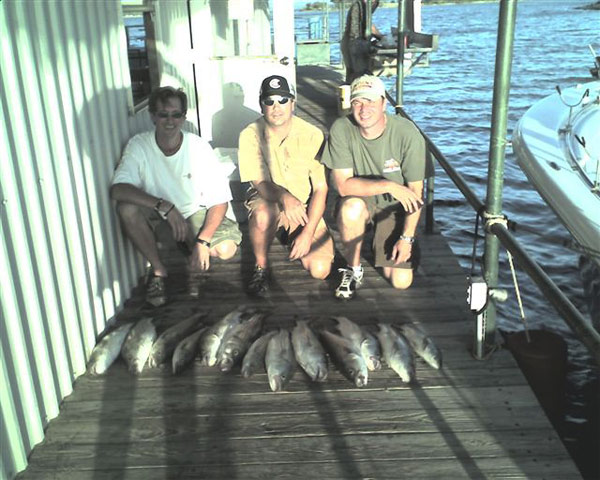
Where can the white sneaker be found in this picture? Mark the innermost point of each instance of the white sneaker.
(349, 284)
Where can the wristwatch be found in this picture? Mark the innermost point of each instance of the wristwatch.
(407, 239)
(201, 241)
(164, 215)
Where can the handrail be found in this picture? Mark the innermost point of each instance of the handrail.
(573, 318)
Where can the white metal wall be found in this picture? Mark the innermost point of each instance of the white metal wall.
(65, 269)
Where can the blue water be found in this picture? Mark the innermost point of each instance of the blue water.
(451, 100)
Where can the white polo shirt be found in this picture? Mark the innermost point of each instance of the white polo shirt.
(192, 179)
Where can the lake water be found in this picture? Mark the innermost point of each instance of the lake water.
(451, 100)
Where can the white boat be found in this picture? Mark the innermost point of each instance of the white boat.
(548, 143)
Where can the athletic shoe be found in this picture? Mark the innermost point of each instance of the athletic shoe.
(349, 284)
(155, 291)
(259, 283)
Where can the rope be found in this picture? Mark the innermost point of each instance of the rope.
(518, 292)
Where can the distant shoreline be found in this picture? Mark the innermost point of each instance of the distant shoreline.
(308, 7)
(590, 6)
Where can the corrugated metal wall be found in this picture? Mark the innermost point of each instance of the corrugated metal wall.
(65, 268)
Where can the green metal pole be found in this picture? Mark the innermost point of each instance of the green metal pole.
(368, 20)
(400, 53)
(506, 27)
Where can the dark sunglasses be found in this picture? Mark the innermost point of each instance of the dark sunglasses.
(176, 115)
(269, 102)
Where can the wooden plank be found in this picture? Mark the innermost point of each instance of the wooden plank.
(208, 451)
(468, 469)
(185, 425)
(223, 399)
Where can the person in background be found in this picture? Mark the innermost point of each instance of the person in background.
(279, 155)
(354, 46)
(173, 176)
(378, 168)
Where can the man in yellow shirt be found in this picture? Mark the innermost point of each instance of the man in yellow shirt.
(279, 154)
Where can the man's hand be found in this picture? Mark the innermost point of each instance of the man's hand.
(200, 259)
(293, 209)
(408, 199)
(300, 245)
(178, 225)
(402, 251)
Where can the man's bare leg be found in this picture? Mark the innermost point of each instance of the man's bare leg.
(141, 235)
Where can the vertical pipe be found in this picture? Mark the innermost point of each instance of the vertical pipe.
(429, 189)
(506, 25)
(400, 53)
(368, 19)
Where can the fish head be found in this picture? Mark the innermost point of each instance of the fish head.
(357, 369)
(226, 364)
(276, 382)
(360, 379)
(373, 363)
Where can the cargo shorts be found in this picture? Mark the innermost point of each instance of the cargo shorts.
(388, 225)
(322, 241)
(227, 230)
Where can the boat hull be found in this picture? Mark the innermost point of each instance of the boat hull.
(558, 166)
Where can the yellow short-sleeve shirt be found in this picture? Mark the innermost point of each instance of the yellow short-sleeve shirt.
(294, 164)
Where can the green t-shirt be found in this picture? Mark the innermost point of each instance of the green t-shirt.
(397, 155)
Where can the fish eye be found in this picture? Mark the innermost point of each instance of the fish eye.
(235, 353)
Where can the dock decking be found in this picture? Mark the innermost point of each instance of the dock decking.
(469, 420)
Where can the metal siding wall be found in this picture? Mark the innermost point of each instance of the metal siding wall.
(65, 268)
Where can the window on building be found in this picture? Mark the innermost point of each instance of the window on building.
(138, 17)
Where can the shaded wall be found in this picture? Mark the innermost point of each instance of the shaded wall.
(65, 268)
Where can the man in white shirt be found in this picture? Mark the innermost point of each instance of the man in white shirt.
(174, 176)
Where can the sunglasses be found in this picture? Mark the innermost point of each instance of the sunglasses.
(269, 102)
(176, 115)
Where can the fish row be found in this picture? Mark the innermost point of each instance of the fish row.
(354, 350)
(237, 338)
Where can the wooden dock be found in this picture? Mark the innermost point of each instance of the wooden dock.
(472, 419)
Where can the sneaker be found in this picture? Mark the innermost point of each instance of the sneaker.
(156, 291)
(259, 283)
(349, 283)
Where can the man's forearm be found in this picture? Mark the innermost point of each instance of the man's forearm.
(214, 217)
(316, 208)
(412, 219)
(269, 191)
(364, 187)
(125, 192)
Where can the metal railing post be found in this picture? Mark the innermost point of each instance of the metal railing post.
(400, 53)
(506, 27)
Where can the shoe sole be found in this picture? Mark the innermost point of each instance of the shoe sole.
(157, 302)
(345, 296)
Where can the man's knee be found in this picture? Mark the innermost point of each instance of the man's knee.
(318, 268)
(401, 278)
(352, 210)
(128, 212)
(225, 250)
(263, 217)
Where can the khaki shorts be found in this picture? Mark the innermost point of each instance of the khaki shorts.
(322, 241)
(227, 230)
(388, 224)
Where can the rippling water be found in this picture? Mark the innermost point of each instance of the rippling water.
(451, 100)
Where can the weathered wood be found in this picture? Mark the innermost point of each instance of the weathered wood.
(332, 447)
(180, 427)
(418, 468)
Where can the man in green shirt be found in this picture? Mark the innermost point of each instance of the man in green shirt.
(378, 168)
